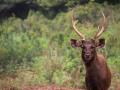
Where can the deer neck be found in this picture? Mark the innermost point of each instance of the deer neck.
(93, 65)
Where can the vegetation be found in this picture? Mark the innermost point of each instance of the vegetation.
(36, 49)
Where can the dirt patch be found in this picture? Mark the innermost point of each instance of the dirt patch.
(48, 87)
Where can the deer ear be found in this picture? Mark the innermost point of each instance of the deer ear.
(101, 43)
(75, 43)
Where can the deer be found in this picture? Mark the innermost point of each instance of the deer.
(98, 74)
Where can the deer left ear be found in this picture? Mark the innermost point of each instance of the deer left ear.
(75, 43)
(101, 43)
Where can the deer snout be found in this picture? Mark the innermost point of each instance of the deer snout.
(87, 54)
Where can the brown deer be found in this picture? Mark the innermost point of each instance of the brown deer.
(98, 75)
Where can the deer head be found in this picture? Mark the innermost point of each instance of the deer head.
(89, 46)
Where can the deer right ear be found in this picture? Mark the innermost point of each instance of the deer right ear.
(75, 43)
(101, 43)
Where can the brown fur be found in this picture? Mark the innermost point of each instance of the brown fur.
(98, 75)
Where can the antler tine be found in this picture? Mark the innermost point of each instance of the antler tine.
(102, 27)
(74, 22)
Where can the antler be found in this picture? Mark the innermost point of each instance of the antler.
(74, 22)
(102, 27)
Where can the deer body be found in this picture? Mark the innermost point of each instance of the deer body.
(98, 75)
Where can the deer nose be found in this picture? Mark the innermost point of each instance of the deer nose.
(87, 54)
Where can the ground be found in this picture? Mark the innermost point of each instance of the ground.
(48, 87)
